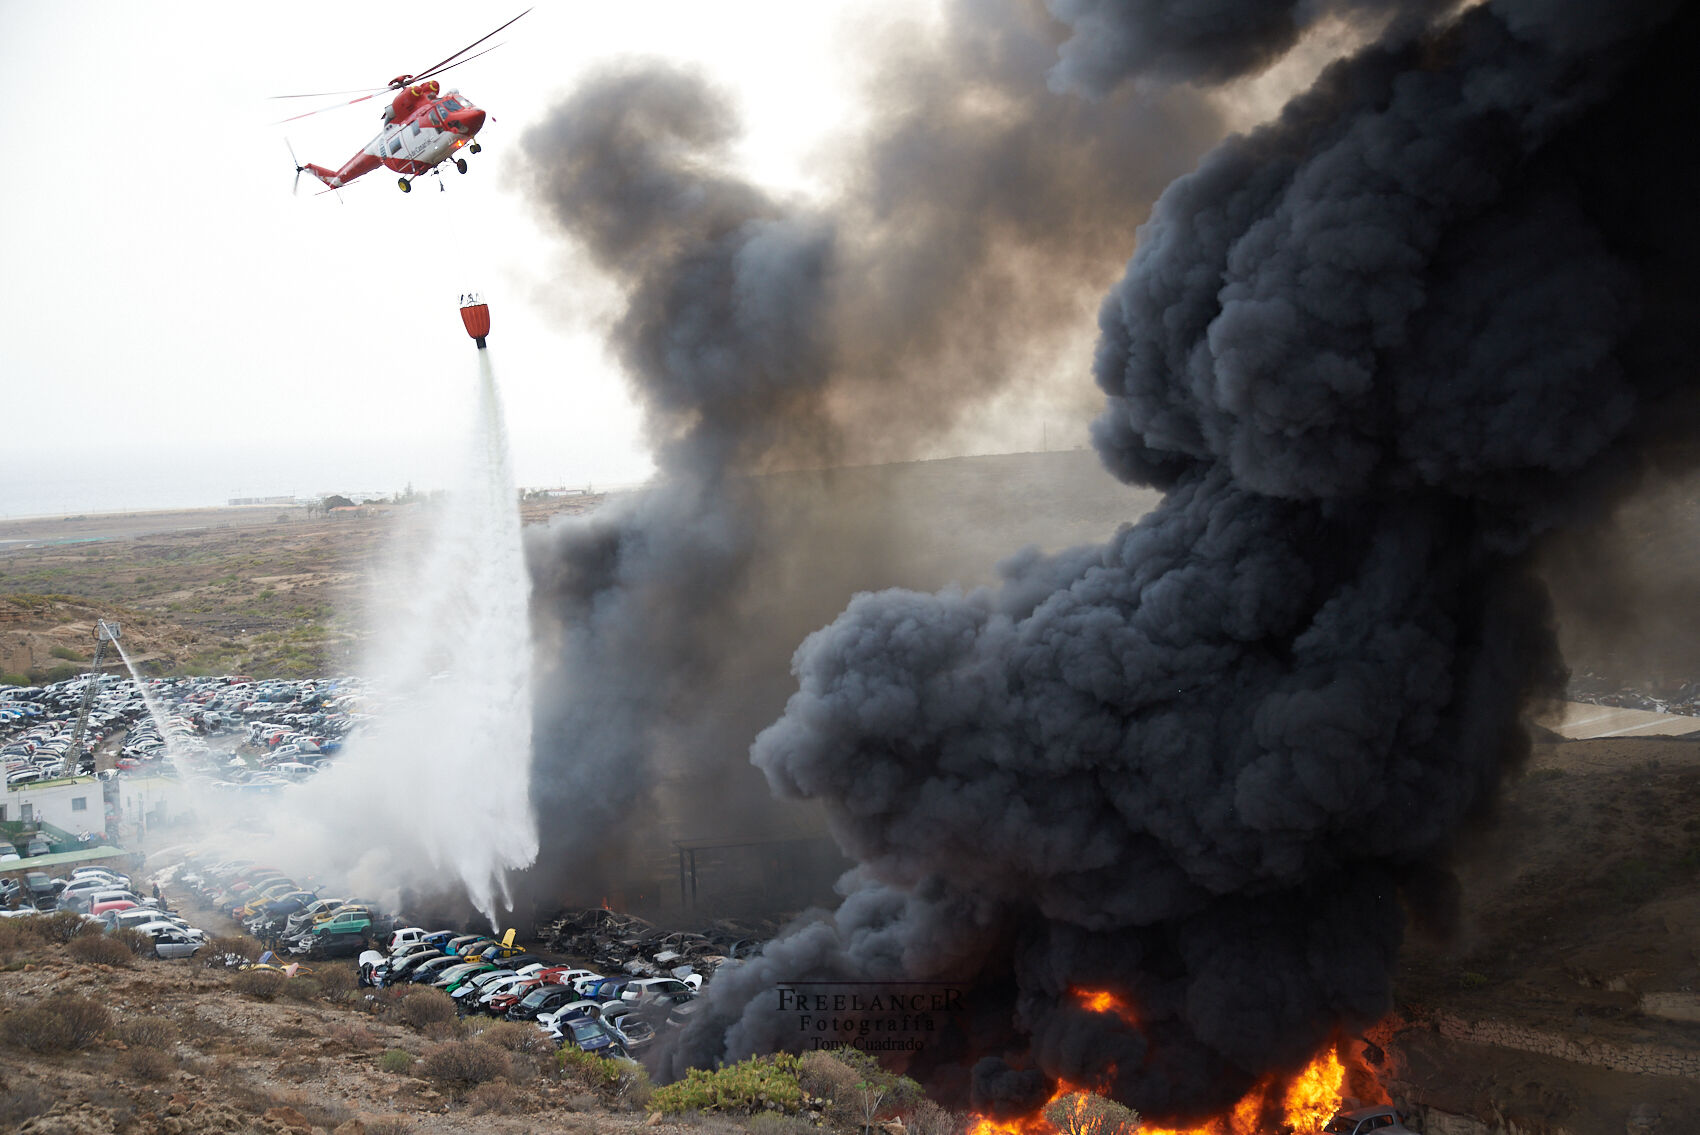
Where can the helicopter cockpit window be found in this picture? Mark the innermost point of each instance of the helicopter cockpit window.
(451, 104)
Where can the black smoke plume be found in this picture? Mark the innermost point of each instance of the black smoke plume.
(975, 223)
(1376, 352)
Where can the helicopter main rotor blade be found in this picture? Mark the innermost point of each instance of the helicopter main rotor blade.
(333, 106)
(452, 66)
(435, 67)
(331, 94)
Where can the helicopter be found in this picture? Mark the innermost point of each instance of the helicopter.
(423, 126)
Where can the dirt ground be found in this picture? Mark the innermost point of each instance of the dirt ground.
(270, 592)
(1581, 925)
(1565, 1002)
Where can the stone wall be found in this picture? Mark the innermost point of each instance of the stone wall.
(1641, 1059)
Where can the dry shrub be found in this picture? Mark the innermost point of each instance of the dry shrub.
(21, 1101)
(337, 983)
(147, 1064)
(357, 1037)
(388, 1125)
(138, 942)
(772, 1123)
(64, 1022)
(929, 1118)
(99, 950)
(261, 983)
(60, 926)
(424, 1007)
(634, 1087)
(149, 1032)
(451, 1029)
(518, 1036)
(15, 936)
(237, 944)
(824, 1076)
(301, 988)
(317, 1110)
(494, 1098)
(464, 1063)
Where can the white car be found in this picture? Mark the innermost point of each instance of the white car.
(406, 936)
(550, 1021)
(648, 990)
(161, 927)
(582, 983)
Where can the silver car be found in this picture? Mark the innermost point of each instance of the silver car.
(174, 944)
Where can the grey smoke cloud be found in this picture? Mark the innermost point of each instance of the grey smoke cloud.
(1375, 351)
(972, 226)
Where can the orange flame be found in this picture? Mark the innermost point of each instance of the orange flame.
(1103, 1001)
(1307, 1102)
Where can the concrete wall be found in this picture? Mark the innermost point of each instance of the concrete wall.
(55, 803)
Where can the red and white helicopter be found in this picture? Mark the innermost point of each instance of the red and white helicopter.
(423, 127)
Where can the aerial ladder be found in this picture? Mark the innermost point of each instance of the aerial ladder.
(104, 632)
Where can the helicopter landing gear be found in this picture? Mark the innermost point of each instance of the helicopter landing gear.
(460, 164)
(406, 185)
(475, 147)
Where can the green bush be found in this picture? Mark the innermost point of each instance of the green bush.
(396, 1060)
(300, 988)
(590, 1070)
(761, 1083)
(464, 1063)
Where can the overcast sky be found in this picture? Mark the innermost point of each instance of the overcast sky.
(177, 328)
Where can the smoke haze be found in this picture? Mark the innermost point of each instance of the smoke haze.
(1375, 352)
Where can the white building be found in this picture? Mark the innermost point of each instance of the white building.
(74, 805)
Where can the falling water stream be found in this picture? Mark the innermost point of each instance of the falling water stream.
(436, 789)
(155, 712)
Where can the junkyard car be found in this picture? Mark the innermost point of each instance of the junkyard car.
(174, 944)
(1368, 1121)
(592, 1036)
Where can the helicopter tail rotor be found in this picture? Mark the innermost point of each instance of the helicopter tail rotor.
(298, 169)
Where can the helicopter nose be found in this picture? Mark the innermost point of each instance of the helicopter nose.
(469, 121)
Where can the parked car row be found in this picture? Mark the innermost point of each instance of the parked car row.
(485, 976)
(105, 897)
(279, 911)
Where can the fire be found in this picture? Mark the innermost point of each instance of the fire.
(1307, 1102)
(1103, 1001)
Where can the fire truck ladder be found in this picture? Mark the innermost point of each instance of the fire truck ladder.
(104, 632)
